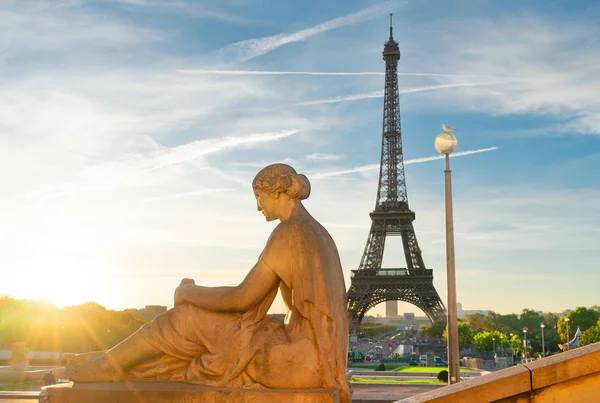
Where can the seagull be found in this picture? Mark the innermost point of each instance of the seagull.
(447, 128)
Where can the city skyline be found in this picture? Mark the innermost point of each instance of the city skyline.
(131, 131)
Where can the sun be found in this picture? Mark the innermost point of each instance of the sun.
(60, 277)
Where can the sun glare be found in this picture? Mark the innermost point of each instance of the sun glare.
(63, 279)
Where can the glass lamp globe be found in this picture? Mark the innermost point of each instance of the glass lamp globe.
(445, 142)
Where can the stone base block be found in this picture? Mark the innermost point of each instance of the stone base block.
(156, 392)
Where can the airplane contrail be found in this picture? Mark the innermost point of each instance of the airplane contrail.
(372, 167)
(312, 73)
(380, 93)
(251, 48)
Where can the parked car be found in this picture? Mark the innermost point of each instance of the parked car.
(439, 362)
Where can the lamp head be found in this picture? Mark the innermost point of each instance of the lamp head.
(445, 142)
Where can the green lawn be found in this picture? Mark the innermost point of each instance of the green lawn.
(388, 367)
(9, 387)
(435, 381)
(428, 369)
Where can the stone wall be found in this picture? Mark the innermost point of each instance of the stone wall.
(573, 376)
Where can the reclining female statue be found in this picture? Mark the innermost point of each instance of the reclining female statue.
(221, 336)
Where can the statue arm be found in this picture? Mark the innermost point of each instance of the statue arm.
(258, 283)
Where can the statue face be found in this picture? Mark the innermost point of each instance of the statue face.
(266, 203)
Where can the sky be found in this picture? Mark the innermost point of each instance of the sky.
(130, 131)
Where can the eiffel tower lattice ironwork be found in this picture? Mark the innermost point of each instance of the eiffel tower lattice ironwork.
(371, 284)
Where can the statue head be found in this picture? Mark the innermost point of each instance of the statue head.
(276, 186)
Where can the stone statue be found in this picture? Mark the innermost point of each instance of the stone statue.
(221, 336)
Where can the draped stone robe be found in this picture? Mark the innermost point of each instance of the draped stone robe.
(217, 349)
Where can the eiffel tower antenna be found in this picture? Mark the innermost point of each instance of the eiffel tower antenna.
(391, 27)
(371, 284)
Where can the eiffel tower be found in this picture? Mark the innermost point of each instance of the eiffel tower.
(371, 284)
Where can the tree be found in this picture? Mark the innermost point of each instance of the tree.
(516, 345)
(591, 335)
(484, 341)
(530, 320)
(476, 322)
(465, 335)
(492, 321)
(551, 319)
(581, 317)
(435, 330)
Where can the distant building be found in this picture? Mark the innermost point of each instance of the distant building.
(150, 312)
(391, 309)
(463, 314)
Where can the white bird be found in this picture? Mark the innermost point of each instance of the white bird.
(447, 128)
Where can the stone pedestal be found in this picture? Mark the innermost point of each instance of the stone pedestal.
(155, 392)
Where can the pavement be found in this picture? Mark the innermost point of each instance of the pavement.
(386, 392)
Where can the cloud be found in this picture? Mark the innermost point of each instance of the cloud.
(47, 31)
(139, 170)
(372, 167)
(191, 9)
(249, 49)
(380, 94)
(187, 194)
(548, 63)
(310, 73)
(201, 148)
(323, 157)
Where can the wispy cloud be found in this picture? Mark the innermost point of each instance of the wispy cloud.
(372, 167)
(323, 157)
(379, 94)
(251, 48)
(140, 171)
(201, 148)
(551, 67)
(312, 73)
(343, 98)
(186, 194)
(192, 9)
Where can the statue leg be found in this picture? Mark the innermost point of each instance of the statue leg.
(78, 359)
(110, 366)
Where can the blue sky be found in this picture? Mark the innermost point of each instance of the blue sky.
(130, 131)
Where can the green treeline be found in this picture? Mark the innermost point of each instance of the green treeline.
(80, 328)
(496, 331)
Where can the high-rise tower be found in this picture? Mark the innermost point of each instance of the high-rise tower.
(371, 284)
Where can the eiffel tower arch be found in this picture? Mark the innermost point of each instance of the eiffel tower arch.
(371, 284)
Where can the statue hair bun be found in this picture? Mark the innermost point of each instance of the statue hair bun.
(299, 188)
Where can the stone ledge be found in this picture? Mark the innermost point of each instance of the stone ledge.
(552, 379)
(488, 388)
(156, 392)
(565, 366)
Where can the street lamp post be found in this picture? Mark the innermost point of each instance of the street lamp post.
(525, 345)
(60, 337)
(1, 334)
(543, 343)
(502, 345)
(445, 143)
(494, 346)
(567, 320)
